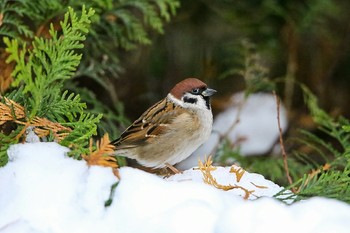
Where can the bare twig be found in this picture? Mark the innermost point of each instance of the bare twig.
(284, 153)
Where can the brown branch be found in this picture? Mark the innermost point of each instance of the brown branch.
(284, 153)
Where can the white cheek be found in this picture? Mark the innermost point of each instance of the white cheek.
(199, 105)
(175, 100)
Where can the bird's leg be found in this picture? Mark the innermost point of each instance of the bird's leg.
(172, 168)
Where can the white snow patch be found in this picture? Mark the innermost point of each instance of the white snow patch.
(44, 191)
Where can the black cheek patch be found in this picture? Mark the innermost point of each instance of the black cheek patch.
(190, 100)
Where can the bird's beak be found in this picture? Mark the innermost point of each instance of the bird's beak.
(208, 92)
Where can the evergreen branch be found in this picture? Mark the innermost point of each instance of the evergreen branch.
(83, 128)
(332, 179)
(40, 73)
(332, 184)
(11, 24)
(51, 61)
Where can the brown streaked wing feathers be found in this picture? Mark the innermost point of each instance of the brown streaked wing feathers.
(151, 124)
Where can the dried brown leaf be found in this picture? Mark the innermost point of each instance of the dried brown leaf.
(207, 165)
(208, 178)
(11, 111)
(239, 172)
(103, 155)
(6, 71)
(43, 127)
(259, 186)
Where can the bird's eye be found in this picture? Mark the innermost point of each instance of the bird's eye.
(195, 91)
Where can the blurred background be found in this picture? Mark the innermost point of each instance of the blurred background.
(297, 41)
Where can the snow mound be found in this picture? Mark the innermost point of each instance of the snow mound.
(44, 191)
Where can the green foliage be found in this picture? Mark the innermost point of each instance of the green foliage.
(346, 128)
(332, 179)
(40, 73)
(43, 69)
(50, 63)
(23, 19)
(332, 128)
(12, 20)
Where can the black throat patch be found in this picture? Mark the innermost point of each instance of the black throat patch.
(207, 102)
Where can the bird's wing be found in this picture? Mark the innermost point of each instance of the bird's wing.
(150, 125)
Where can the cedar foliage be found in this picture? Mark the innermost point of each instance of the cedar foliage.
(39, 75)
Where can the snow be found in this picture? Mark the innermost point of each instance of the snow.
(255, 133)
(44, 191)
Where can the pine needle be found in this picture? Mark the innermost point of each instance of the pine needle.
(103, 155)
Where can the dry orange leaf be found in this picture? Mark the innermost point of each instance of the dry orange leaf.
(12, 111)
(239, 172)
(6, 71)
(259, 186)
(103, 155)
(208, 178)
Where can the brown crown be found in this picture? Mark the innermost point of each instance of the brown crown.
(186, 86)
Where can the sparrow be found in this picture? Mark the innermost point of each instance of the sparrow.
(170, 130)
